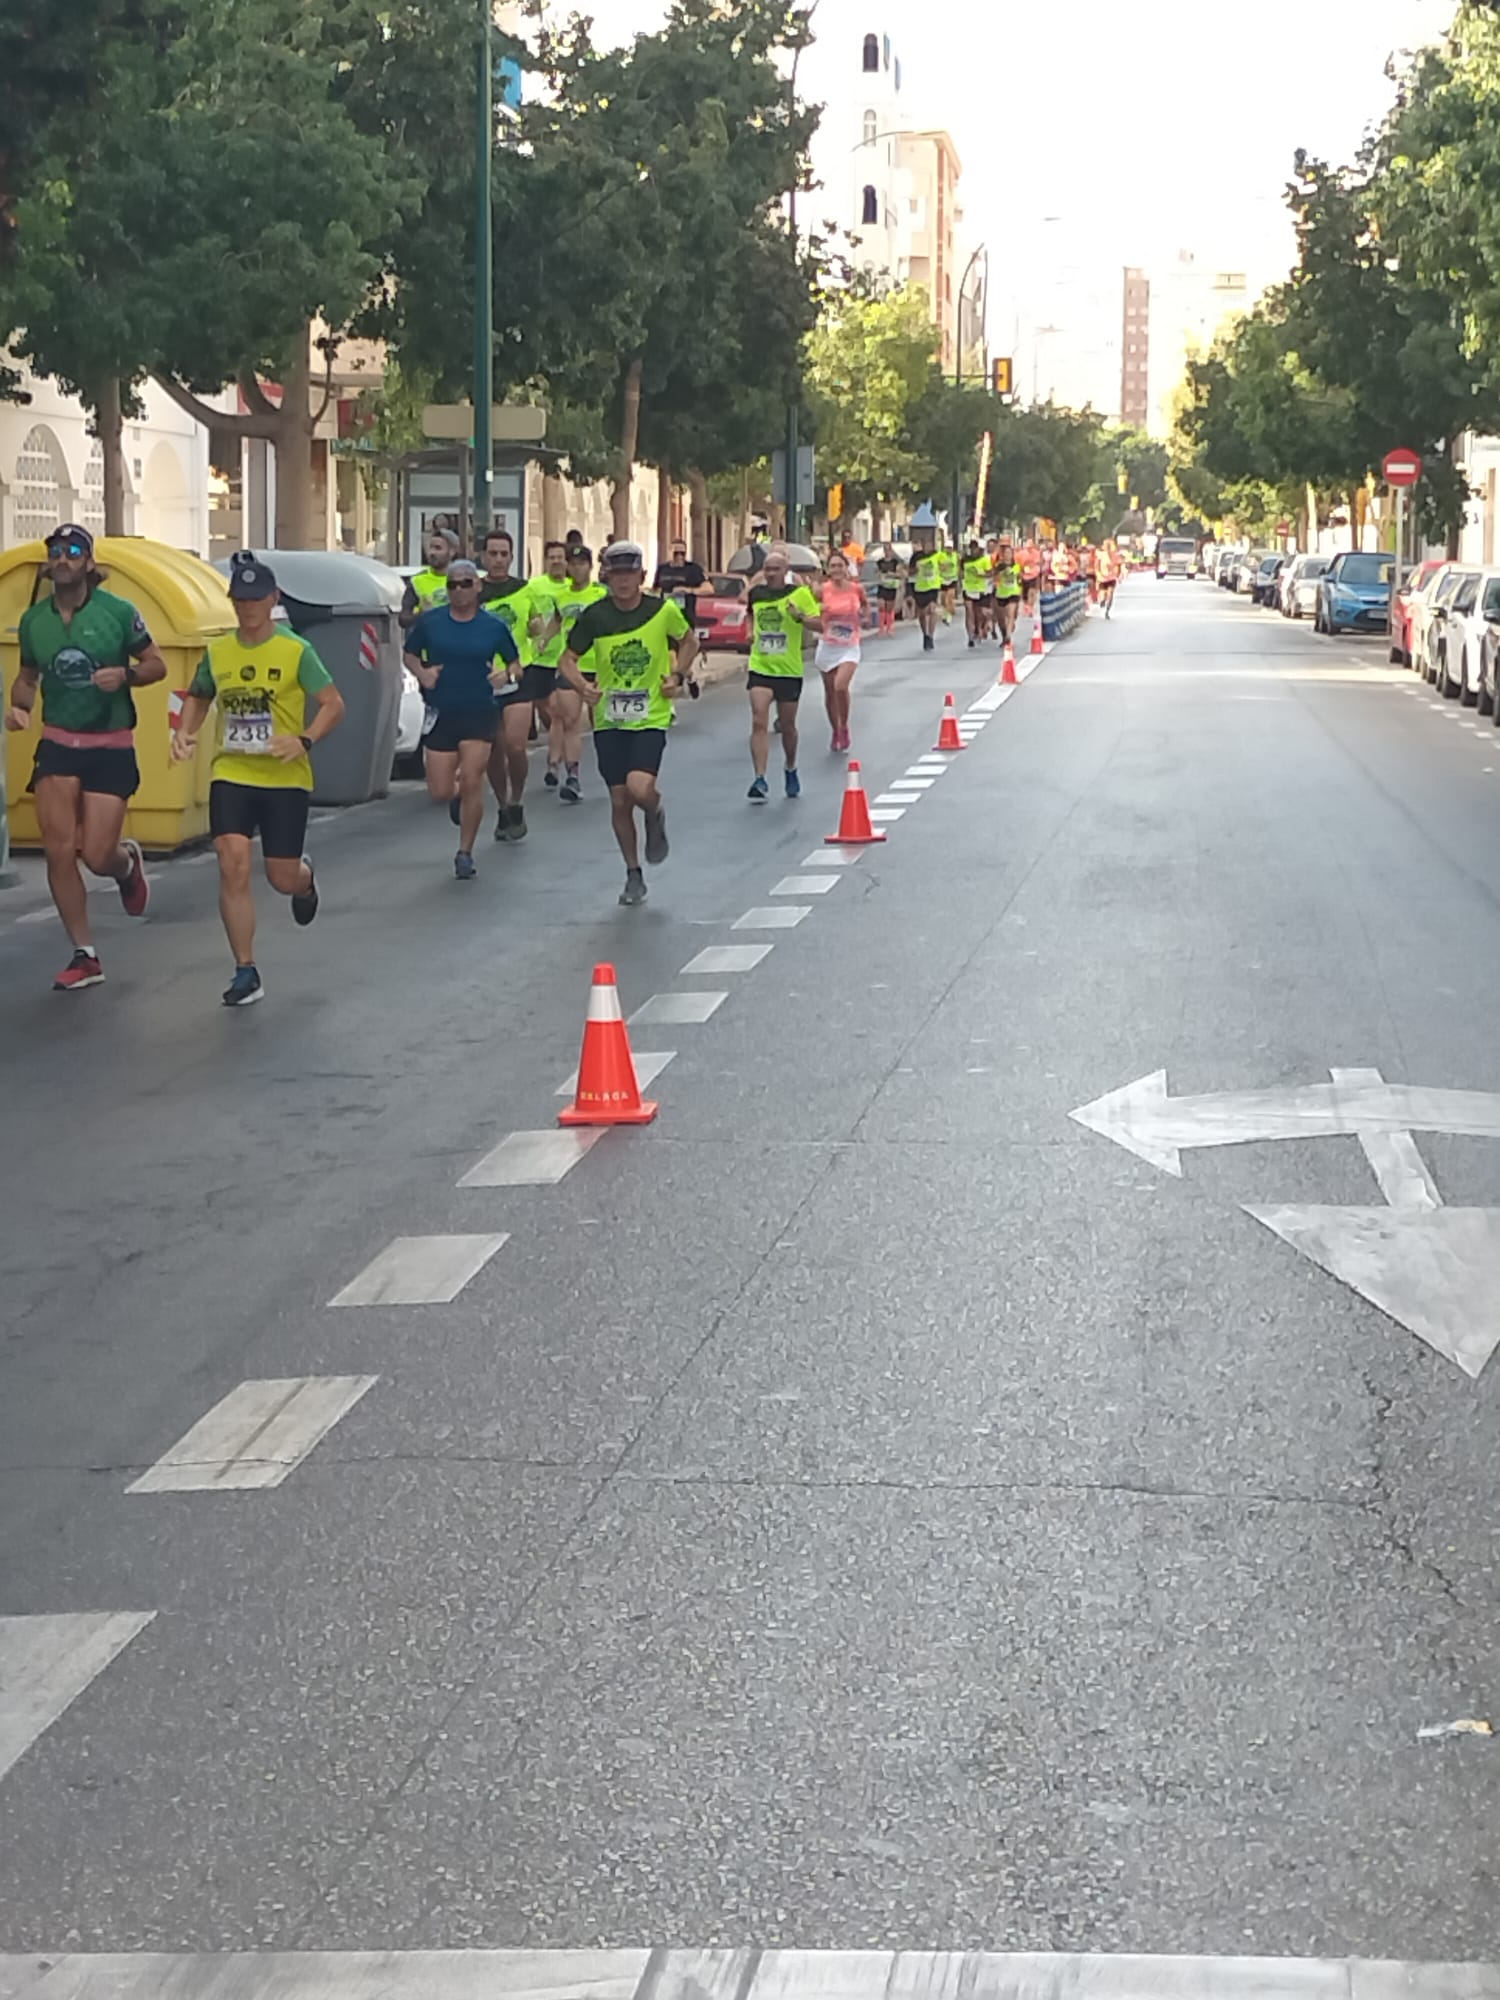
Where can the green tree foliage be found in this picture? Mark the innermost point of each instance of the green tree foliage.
(870, 363)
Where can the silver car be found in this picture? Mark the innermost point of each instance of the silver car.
(1299, 585)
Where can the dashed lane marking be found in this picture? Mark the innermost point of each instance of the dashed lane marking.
(532, 1159)
(882, 816)
(664, 1009)
(773, 917)
(830, 857)
(255, 1436)
(419, 1271)
(728, 958)
(804, 885)
(649, 1064)
(45, 1664)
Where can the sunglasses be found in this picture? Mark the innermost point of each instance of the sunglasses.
(66, 549)
(463, 583)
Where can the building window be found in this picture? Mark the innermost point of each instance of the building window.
(871, 207)
(872, 54)
(41, 476)
(871, 122)
(898, 72)
(885, 49)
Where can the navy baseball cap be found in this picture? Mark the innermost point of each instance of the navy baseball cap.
(70, 539)
(249, 578)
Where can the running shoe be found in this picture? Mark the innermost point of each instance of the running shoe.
(81, 970)
(635, 887)
(551, 780)
(135, 890)
(793, 785)
(759, 792)
(245, 988)
(463, 866)
(568, 793)
(927, 642)
(515, 817)
(502, 824)
(305, 902)
(455, 812)
(657, 848)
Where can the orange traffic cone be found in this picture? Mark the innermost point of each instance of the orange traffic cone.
(855, 827)
(608, 1093)
(1008, 667)
(948, 736)
(1037, 642)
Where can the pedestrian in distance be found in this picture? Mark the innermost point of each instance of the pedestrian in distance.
(683, 579)
(842, 602)
(83, 652)
(261, 675)
(628, 656)
(465, 659)
(782, 612)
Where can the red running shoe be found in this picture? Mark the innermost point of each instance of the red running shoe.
(135, 890)
(81, 970)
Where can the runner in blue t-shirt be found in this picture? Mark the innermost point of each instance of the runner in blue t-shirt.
(462, 656)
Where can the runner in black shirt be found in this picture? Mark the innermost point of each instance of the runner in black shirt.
(680, 578)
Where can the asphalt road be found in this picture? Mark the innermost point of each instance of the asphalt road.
(864, 1509)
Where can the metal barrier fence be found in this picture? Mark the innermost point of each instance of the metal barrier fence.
(1063, 610)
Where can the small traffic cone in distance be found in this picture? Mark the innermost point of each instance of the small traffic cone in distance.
(1037, 641)
(856, 829)
(608, 1092)
(948, 736)
(1008, 667)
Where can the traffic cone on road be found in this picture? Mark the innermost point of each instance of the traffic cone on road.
(948, 736)
(1037, 641)
(1008, 667)
(855, 826)
(608, 1092)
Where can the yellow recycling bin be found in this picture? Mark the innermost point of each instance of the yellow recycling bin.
(184, 604)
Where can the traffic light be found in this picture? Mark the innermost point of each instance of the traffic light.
(1000, 374)
(836, 501)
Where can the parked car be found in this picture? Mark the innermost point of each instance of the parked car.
(1354, 593)
(410, 717)
(1247, 570)
(1460, 642)
(723, 616)
(1401, 609)
(1421, 615)
(1435, 637)
(1297, 587)
(1486, 625)
(1263, 583)
(1225, 565)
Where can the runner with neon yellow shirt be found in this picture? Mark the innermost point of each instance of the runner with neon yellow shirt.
(557, 609)
(507, 598)
(627, 656)
(782, 612)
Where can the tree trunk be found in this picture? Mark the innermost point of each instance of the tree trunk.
(698, 490)
(744, 510)
(630, 430)
(663, 513)
(294, 429)
(554, 505)
(109, 423)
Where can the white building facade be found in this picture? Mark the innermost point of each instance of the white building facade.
(861, 190)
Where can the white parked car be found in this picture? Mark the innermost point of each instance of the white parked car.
(1438, 588)
(1439, 666)
(1299, 585)
(1473, 620)
(410, 718)
(1248, 570)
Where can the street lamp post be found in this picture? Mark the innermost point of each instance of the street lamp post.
(484, 298)
(958, 363)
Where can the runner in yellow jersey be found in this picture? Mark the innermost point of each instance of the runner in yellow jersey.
(978, 585)
(948, 569)
(782, 612)
(568, 601)
(1010, 585)
(927, 588)
(261, 676)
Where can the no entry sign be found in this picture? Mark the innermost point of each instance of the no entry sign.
(1401, 468)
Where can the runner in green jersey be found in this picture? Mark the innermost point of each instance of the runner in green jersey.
(627, 657)
(927, 587)
(782, 612)
(563, 603)
(1009, 585)
(948, 569)
(507, 598)
(978, 583)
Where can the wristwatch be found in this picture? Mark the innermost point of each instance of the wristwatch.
(305, 741)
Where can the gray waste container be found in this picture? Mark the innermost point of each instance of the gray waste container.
(346, 606)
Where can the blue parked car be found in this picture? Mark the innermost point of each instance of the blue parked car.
(1354, 593)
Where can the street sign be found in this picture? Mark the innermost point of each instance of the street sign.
(1001, 374)
(806, 473)
(510, 423)
(1401, 468)
(1434, 1270)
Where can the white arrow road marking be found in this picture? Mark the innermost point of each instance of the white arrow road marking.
(1146, 1121)
(1436, 1271)
(1398, 1166)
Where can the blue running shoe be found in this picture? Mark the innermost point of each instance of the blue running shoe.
(793, 785)
(759, 792)
(463, 866)
(245, 988)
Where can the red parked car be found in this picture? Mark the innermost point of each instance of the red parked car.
(723, 617)
(1401, 610)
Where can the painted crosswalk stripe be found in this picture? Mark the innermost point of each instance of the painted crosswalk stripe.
(884, 814)
(532, 1159)
(46, 1662)
(728, 958)
(772, 917)
(257, 1434)
(633, 1973)
(919, 776)
(830, 857)
(804, 885)
(649, 1064)
(670, 1009)
(895, 799)
(419, 1271)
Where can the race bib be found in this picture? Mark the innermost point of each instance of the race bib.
(772, 642)
(841, 629)
(429, 720)
(626, 704)
(248, 734)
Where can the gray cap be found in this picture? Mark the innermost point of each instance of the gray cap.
(623, 555)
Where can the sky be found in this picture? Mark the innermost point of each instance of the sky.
(1158, 129)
